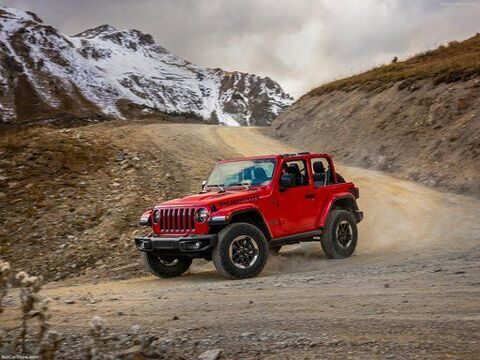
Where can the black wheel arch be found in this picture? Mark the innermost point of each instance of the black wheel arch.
(346, 203)
(251, 216)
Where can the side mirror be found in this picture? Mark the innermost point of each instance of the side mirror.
(286, 181)
(204, 182)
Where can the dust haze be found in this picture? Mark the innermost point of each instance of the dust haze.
(402, 218)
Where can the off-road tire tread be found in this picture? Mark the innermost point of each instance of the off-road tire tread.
(327, 240)
(166, 271)
(220, 252)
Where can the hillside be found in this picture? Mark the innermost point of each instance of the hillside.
(81, 190)
(418, 119)
(69, 203)
(109, 73)
(456, 61)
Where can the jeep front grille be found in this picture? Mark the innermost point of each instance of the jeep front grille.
(177, 220)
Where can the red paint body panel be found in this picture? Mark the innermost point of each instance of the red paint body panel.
(285, 212)
(330, 199)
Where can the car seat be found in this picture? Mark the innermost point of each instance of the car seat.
(295, 170)
(319, 174)
(260, 176)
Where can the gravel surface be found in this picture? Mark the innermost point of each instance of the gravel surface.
(410, 291)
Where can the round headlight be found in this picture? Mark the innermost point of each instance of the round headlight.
(201, 215)
(156, 216)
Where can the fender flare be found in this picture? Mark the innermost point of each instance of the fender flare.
(224, 216)
(323, 216)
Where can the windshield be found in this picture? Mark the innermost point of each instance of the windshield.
(237, 173)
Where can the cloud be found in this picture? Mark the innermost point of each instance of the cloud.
(299, 43)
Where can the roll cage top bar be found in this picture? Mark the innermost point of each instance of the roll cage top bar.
(297, 154)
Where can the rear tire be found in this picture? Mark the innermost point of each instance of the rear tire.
(339, 238)
(241, 251)
(165, 267)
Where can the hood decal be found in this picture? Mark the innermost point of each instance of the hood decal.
(239, 201)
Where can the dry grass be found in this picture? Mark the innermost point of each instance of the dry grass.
(32, 306)
(457, 61)
(45, 344)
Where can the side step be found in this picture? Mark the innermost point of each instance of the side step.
(297, 238)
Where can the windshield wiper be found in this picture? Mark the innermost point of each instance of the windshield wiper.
(245, 185)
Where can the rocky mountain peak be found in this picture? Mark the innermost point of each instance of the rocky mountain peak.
(8, 13)
(121, 74)
(96, 31)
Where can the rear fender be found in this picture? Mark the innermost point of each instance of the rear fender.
(322, 219)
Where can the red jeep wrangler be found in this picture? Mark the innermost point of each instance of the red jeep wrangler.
(248, 207)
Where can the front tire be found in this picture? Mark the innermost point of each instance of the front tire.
(241, 251)
(339, 238)
(164, 266)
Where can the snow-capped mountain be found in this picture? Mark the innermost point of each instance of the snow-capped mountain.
(120, 74)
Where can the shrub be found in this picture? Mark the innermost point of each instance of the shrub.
(46, 343)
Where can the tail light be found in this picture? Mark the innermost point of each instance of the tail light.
(355, 192)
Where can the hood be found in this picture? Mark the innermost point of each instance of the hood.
(220, 199)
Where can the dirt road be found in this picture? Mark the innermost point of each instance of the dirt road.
(412, 289)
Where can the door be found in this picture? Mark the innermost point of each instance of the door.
(296, 205)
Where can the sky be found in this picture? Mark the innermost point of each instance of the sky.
(299, 43)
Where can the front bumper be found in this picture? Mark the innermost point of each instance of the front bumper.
(174, 244)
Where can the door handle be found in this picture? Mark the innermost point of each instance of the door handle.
(310, 196)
